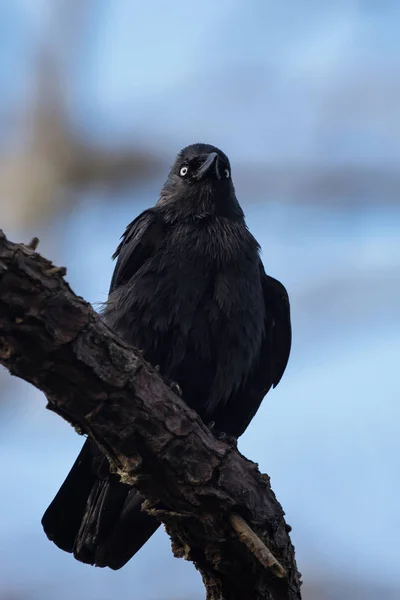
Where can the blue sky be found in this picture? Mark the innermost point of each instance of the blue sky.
(263, 71)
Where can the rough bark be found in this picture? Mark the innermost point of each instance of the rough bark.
(220, 512)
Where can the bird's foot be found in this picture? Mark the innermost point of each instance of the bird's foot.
(222, 436)
(175, 387)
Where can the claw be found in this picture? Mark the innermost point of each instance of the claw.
(175, 388)
(221, 435)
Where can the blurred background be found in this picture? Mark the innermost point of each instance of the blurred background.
(97, 97)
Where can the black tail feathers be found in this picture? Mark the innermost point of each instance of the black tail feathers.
(96, 517)
(62, 519)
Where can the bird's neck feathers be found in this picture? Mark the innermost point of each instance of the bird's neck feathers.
(199, 204)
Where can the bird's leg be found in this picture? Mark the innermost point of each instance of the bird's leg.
(221, 435)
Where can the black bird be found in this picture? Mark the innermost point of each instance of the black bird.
(189, 289)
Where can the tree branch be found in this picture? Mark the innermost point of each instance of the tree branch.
(218, 509)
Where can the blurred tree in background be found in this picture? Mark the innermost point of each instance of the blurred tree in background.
(46, 158)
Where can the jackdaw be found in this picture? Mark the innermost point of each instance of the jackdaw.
(189, 290)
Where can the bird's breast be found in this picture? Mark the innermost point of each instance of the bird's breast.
(215, 270)
(197, 301)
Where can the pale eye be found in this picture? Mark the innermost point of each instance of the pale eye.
(227, 173)
(183, 171)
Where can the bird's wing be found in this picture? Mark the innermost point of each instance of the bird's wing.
(278, 326)
(140, 240)
(273, 358)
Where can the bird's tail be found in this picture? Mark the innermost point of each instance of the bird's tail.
(95, 516)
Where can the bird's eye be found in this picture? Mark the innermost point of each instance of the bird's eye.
(227, 173)
(183, 171)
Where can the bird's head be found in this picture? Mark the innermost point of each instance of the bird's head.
(199, 184)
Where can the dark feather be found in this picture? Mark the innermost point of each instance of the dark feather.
(63, 518)
(140, 241)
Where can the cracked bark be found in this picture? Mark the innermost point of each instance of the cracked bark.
(219, 511)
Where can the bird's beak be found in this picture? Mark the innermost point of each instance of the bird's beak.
(211, 162)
